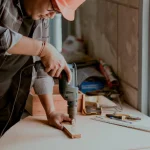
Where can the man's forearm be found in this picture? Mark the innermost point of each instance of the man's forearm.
(26, 46)
(47, 102)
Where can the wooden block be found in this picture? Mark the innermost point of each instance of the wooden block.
(35, 108)
(71, 132)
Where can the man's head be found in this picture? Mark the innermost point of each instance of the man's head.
(38, 9)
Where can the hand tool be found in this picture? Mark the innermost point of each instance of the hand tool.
(69, 91)
(121, 116)
(120, 120)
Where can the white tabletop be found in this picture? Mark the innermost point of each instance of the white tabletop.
(33, 133)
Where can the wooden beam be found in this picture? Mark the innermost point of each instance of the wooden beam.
(70, 131)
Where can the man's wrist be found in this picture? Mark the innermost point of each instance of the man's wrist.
(50, 114)
(42, 49)
(50, 111)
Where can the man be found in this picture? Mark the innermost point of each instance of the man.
(23, 36)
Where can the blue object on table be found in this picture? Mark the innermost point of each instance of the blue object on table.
(89, 86)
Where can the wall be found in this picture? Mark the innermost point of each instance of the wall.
(110, 29)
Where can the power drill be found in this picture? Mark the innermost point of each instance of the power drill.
(68, 91)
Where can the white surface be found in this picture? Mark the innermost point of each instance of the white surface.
(33, 133)
(135, 125)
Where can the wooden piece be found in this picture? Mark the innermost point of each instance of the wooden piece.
(98, 101)
(35, 108)
(70, 131)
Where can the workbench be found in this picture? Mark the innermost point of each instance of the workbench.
(33, 133)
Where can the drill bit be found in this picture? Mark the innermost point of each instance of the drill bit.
(73, 122)
(73, 127)
(72, 114)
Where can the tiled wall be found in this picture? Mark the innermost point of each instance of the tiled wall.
(110, 28)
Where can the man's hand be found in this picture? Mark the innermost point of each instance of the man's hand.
(55, 119)
(54, 62)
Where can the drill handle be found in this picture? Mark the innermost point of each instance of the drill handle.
(39, 65)
(63, 83)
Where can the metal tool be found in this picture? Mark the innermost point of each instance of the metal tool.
(121, 116)
(120, 120)
(68, 91)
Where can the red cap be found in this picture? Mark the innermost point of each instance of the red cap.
(68, 7)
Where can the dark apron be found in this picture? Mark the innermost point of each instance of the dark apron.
(12, 102)
(15, 75)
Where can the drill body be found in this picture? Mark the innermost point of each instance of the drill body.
(69, 91)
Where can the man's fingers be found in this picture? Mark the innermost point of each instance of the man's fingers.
(48, 69)
(59, 72)
(58, 125)
(67, 70)
(66, 118)
(53, 72)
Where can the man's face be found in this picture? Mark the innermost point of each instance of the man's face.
(45, 9)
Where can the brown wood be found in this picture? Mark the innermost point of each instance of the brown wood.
(71, 132)
(35, 108)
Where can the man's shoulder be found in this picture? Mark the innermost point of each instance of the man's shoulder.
(1, 6)
(3, 3)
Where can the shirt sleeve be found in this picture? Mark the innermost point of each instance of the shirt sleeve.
(8, 39)
(42, 82)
